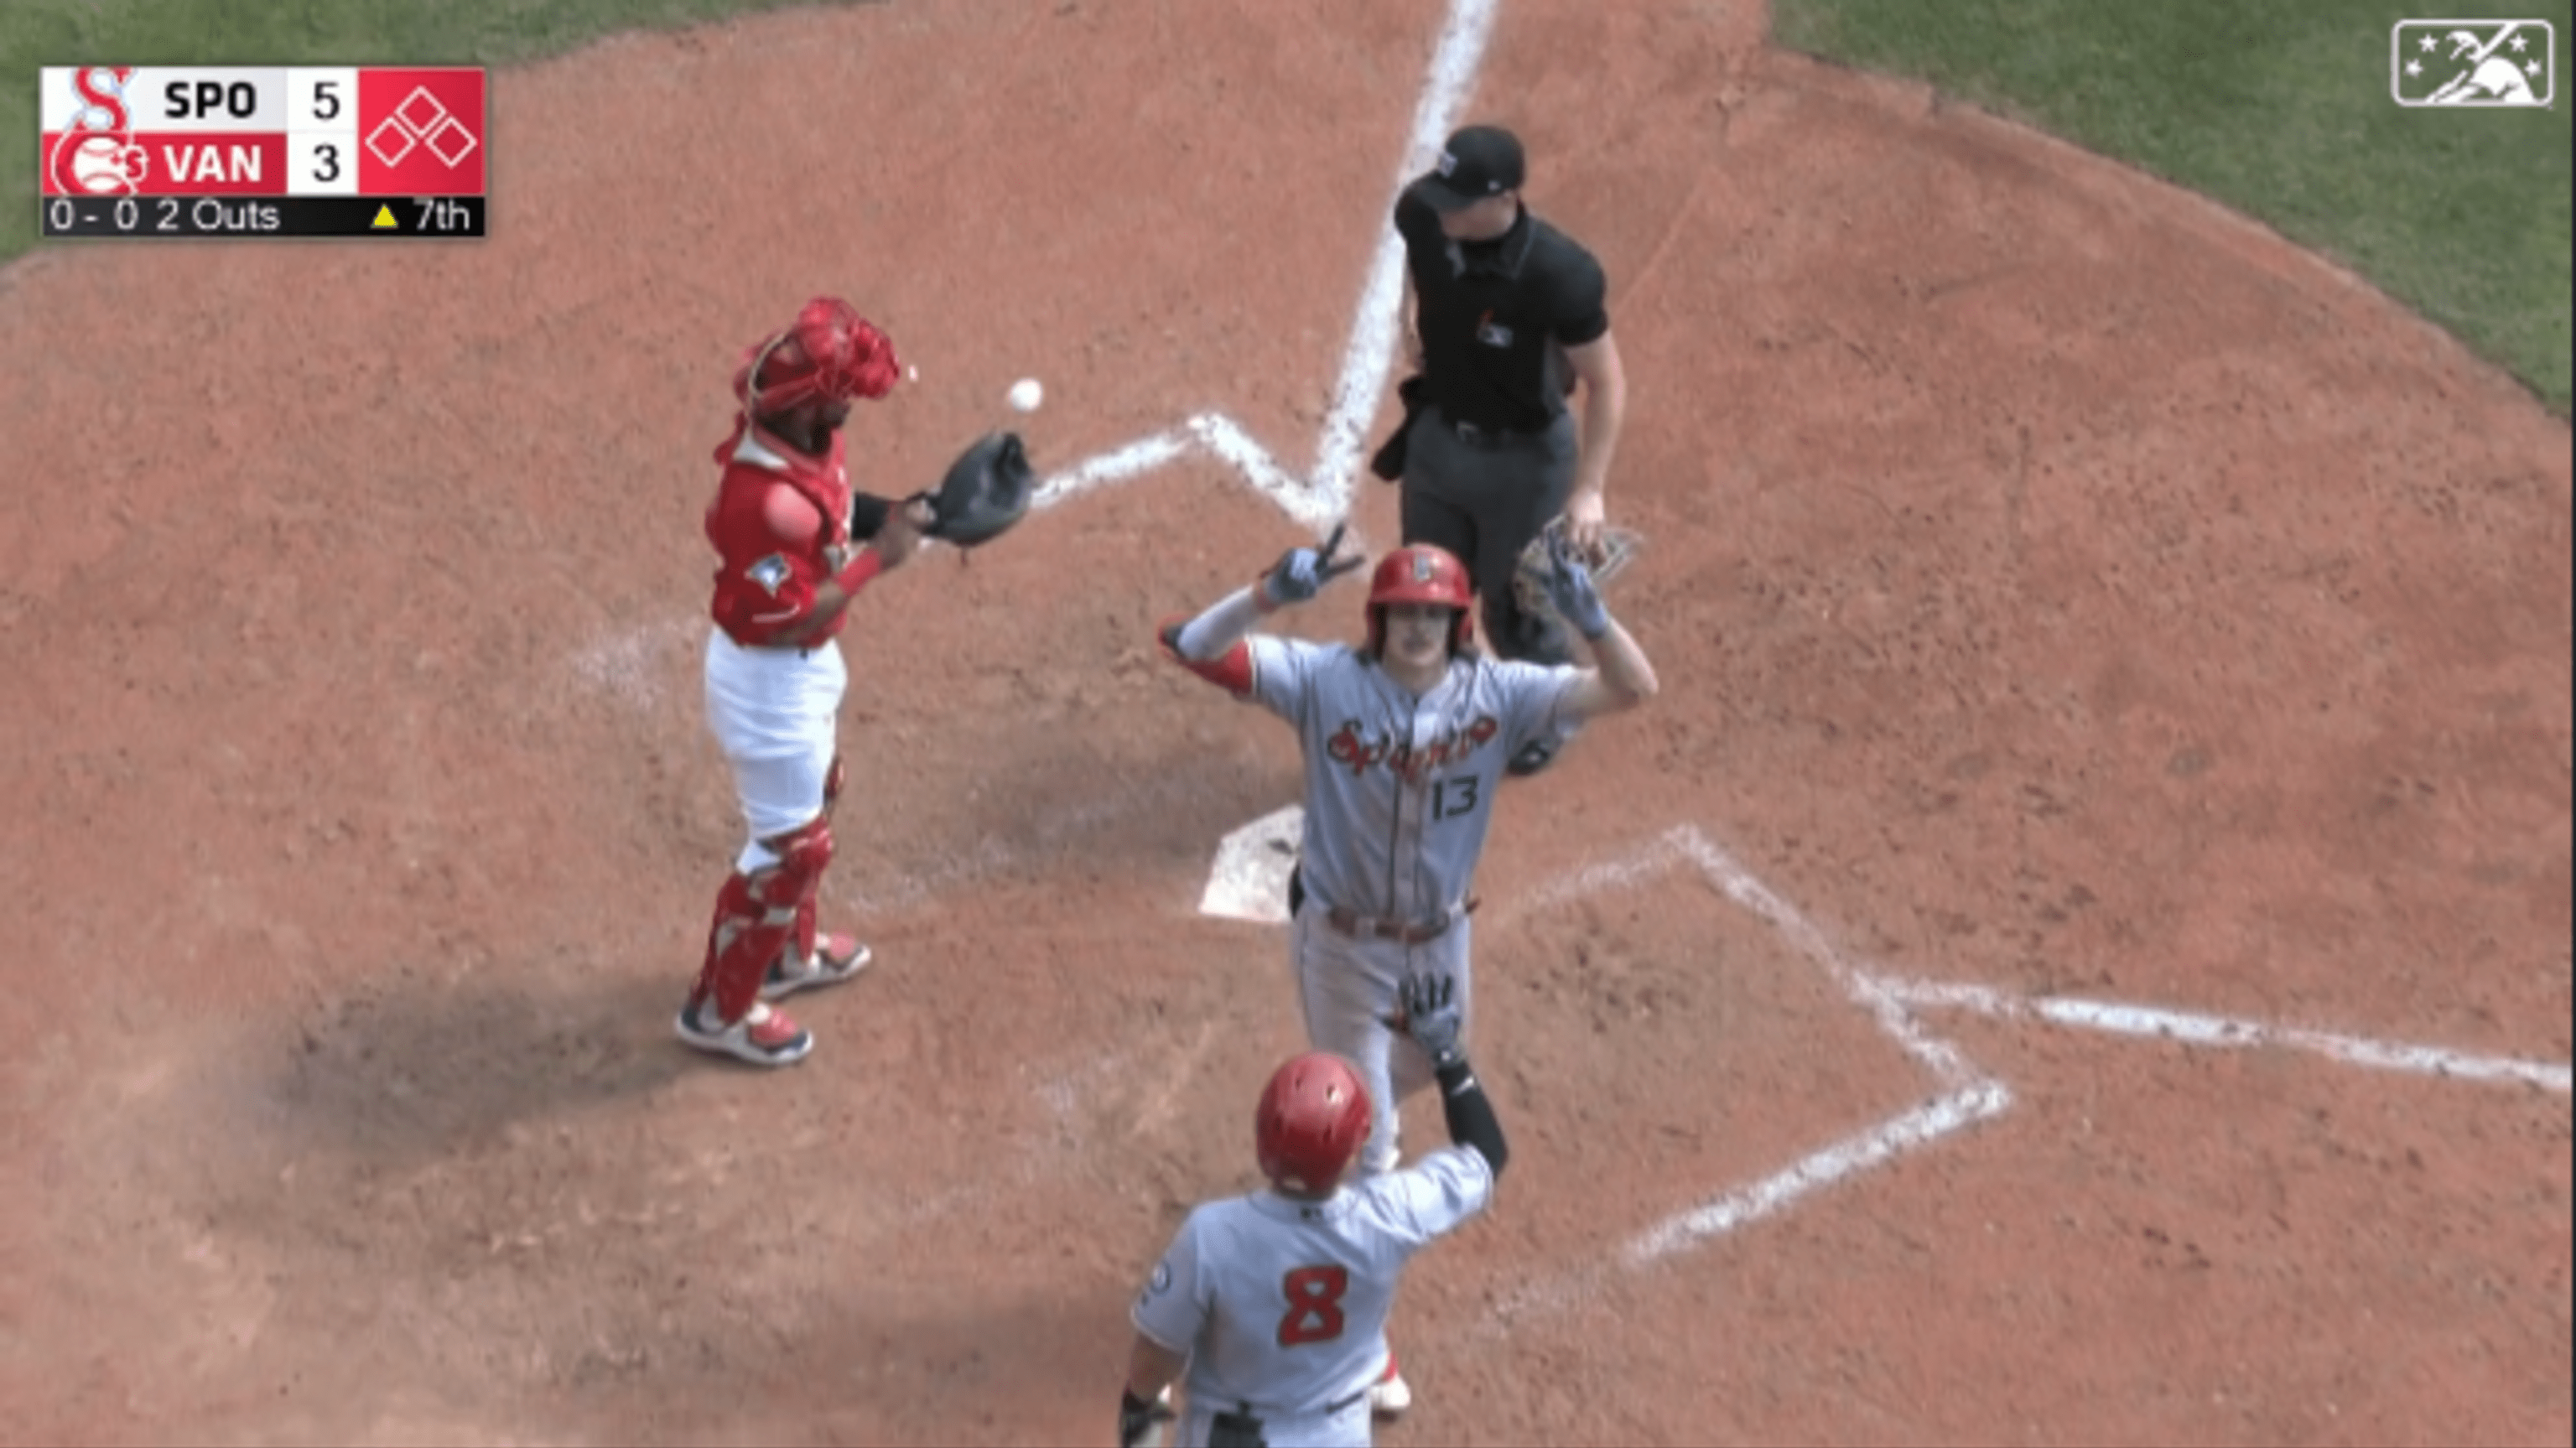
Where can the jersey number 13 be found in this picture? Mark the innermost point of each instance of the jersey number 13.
(1451, 798)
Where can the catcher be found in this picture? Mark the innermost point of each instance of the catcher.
(795, 545)
(1274, 1305)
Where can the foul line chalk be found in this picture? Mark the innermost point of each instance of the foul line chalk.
(1370, 356)
(1738, 884)
(1820, 1169)
(1115, 466)
(2113, 1018)
(1323, 495)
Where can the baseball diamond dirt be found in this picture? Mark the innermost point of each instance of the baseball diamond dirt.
(2070, 602)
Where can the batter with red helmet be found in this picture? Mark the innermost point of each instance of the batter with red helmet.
(1271, 1309)
(788, 529)
(1404, 739)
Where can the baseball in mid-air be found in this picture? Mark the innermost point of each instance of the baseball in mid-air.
(1026, 394)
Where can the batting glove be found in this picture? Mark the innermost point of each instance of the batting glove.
(1301, 573)
(1432, 1015)
(1570, 588)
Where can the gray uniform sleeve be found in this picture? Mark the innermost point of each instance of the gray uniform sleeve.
(1437, 1195)
(1282, 671)
(1173, 1308)
(1530, 695)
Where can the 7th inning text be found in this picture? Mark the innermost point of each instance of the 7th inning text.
(432, 217)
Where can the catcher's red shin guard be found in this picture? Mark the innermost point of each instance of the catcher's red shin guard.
(802, 939)
(758, 915)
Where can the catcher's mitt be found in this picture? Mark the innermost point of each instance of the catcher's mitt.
(1619, 548)
(985, 493)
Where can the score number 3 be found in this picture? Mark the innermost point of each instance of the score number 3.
(325, 121)
(326, 106)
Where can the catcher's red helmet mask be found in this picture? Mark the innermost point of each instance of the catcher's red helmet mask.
(1313, 1118)
(830, 354)
(1421, 573)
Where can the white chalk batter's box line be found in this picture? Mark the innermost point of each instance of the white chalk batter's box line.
(1967, 1096)
(1322, 496)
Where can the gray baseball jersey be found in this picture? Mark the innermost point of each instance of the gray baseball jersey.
(1281, 1305)
(1399, 790)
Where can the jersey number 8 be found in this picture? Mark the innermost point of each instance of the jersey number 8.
(1314, 1305)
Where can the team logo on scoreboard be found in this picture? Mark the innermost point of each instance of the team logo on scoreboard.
(421, 131)
(421, 120)
(280, 150)
(96, 155)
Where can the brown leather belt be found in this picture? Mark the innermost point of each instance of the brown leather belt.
(1358, 926)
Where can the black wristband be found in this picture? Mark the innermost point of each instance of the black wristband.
(1469, 1115)
(1134, 1413)
(867, 516)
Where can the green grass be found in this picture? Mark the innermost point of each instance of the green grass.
(2281, 110)
(38, 33)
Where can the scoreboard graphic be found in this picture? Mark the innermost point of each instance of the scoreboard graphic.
(161, 151)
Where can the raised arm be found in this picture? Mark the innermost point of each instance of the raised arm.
(1433, 1019)
(1622, 677)
(1622, 680)
(1211, 645)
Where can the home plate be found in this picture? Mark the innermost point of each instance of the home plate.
(1249, 880)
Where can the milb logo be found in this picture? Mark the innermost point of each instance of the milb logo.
(2473, 63)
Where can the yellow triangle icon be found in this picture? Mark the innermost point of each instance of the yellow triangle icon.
(384, 219)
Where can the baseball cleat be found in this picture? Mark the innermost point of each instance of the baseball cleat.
(836, 958)
(763, 1037)
(1390, 1396)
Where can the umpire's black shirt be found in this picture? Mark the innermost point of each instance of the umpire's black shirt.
(1494, 316)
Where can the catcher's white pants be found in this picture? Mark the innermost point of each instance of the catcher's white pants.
(775, 713)
(1347, 987)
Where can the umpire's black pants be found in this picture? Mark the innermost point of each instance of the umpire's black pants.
(1484, 497)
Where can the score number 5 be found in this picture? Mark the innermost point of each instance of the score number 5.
(322, 127)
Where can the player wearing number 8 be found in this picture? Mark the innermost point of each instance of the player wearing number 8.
(1271, 1309)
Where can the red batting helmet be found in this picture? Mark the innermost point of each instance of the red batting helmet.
(1420, 573)
(830, 353)
(1313, 1119)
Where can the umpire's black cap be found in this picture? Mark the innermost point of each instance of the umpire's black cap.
(1475, 163)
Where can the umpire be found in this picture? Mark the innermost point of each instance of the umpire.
(1509, 314)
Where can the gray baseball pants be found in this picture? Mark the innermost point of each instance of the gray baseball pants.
(1483, 498)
